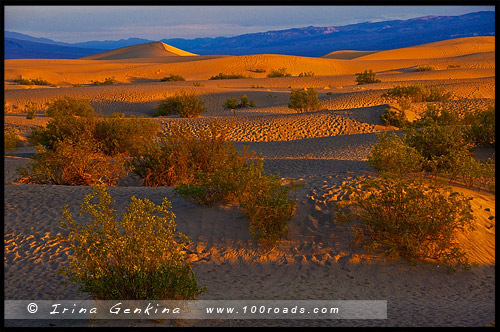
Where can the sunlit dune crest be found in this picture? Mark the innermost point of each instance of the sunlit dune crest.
(147, 50)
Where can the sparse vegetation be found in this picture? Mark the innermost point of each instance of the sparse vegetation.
(222, 76)
(425, 68)
(366, 77)
(107, 81)
(206, 169)
(307, 74)
(394, 117)
(172, 78)
(185, 104)
(304, 101)
(258, 70)
(33, 81)
(453, 66)
(254, 86)
(139, 257)
(198, 84)
(281, 72)
(232, 103)
(407, 218)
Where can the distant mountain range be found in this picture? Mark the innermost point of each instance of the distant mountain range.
(308, 41)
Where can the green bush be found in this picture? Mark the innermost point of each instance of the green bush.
(11, 140)
(68, 105)
(185, 104)
(140, 257)
(366, 77)
(307, 74)
(222, 76)
(172, 78)
(33, 81)
(304, 101)
(392, 154)
(72, 163)
(232, 103)
(417, 93)
(281, 72)
(425, 68)
(394, 117)
(406, 218)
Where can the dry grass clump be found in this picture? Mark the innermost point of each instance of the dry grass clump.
(138, 257)
(107, 81)
(425, 68)
(232, 76)
(33, 81)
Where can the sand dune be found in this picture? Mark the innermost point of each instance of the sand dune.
(325, 149)
(441, 49)
(147, 50)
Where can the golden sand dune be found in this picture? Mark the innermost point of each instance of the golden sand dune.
(147, 50)
(347, 55)
(441, 49)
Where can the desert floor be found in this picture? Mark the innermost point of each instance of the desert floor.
(325, 149)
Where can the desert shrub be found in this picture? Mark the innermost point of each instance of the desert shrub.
(222, 76)
(417, 93)
(394, 117)
(281, 72)
(481, 127)
(406, 218)
(198, 84)
(181, 153)
(31, 109)
(366, 77)
(307, 74)
(232, 103)
(392, 154)
(139, 257)
(78, 163)
(33, 81)
(107, 81)
(113, 134)
(125, 136)
(453, 66)
(304, 101)
(11, 140)
(254, 86)
(186, 104)
(69, 106)
(425, 68)
(438, 143)
(258, 70)
(267, 204)
(172, 78)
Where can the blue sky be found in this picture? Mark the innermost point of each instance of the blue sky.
(84, 23)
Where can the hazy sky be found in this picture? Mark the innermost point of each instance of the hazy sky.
(84, 23)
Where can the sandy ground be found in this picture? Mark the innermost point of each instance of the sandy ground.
(325, 149)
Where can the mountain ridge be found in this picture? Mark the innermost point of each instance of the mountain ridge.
(314, 41)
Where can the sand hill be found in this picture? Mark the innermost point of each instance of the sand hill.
(147, 50)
